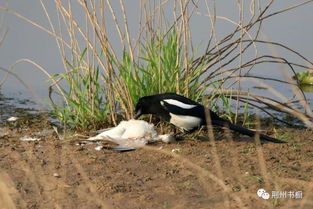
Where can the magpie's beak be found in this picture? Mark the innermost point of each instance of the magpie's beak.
(138, 114)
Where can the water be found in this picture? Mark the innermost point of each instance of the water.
(13, 107)
(23, 40)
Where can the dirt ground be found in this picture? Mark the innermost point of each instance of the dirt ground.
(191, 173)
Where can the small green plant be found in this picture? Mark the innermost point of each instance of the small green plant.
(85, 105)
(257, 178)
(305, 77)
(221, 100)
(246, 115)
(249, 149)
(297, 146)
(226, 102)
(282, 134)
(186, 185)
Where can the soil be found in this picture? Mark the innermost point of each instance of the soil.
(192, 173)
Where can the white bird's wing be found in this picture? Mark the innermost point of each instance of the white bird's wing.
(112, 133)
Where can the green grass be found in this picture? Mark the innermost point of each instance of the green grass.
(159, 69)
(256, 178)
(297, 146)
(250, 149)
(282, 134)
(84, 99)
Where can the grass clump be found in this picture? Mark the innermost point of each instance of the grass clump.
(84, 105)
(159, 69)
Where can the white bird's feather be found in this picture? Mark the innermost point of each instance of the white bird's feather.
(138, 129)
(113, 132)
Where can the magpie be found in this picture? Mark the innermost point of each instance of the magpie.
(187, 114)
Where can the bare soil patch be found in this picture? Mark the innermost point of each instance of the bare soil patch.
(201, 174)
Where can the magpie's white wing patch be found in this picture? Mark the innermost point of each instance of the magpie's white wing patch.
(178, 103)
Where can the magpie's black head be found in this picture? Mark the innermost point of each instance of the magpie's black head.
(143, 106)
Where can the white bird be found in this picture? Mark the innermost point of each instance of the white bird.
(132, 133)
(12, 119)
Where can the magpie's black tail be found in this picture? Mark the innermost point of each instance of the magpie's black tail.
(245, 131)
